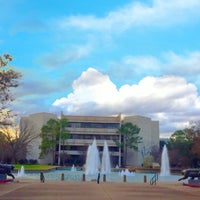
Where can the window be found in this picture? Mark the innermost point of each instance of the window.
(93, 125)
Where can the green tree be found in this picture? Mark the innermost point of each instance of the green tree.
(179, 146)
(129, 138)
(184, 146)
(64, 135)
(53, 134)
(8, 79)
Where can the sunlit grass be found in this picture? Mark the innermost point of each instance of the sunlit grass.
(34, 167)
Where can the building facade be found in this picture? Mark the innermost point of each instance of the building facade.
(84, 129)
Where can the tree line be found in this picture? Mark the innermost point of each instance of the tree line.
(184, 146)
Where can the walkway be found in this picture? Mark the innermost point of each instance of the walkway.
(27, 189)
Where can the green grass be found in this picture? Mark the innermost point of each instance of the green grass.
(34, 167)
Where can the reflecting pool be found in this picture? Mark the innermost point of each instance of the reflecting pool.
(77, 175)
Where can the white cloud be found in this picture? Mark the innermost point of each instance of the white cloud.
(159, 13)
(185, 65)
(135, 66)
(163, 98)
(91, 86)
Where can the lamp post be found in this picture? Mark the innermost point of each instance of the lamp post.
(120, 150)
(59, 146)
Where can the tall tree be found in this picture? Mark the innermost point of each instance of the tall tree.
(195, 129)
(179, 135)
(8, 79)
(179, 146)
(129, 138)
(53, 133)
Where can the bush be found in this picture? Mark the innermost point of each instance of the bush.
(33, 162)
(23, 161)
(148, 160)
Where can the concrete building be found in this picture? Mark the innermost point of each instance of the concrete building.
(33, 123)
(83, 130)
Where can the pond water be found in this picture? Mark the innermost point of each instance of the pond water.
(77, 175)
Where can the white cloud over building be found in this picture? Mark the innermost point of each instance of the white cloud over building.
(169, 99)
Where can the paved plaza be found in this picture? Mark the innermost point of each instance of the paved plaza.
(28, 189)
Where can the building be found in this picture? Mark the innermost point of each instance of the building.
(83, 130)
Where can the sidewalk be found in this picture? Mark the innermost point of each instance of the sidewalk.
(27, 189)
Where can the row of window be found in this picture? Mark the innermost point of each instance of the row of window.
(93, 125)
(84, 148)
(91, 137)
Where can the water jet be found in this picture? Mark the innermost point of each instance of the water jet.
(21, 172)
(92, 160)
(165, 167)
(105, 166)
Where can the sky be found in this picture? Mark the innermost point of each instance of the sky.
(94, 57)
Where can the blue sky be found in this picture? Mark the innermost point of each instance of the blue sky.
(136, 57)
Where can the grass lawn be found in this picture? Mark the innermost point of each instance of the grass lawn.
(34, 167)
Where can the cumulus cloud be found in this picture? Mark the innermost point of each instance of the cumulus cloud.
(158, 13)
(169, 99)
(92, 86)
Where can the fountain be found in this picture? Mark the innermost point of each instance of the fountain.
(92, 160)
(21, 172)
(105, 167)
(165, 169)
(92, 168)
(114, 176)
(73, 168)
(127, 173)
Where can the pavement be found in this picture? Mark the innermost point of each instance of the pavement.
(29, 189)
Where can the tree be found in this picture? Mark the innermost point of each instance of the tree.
(3, 148)
(178, 136)
(179, 146)
(195, 129)
(8, 79)
(130, 138)
(156, 153)
(53, 133)
(148, 160)
(184, 146)
(64, 135)
(15, 142)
